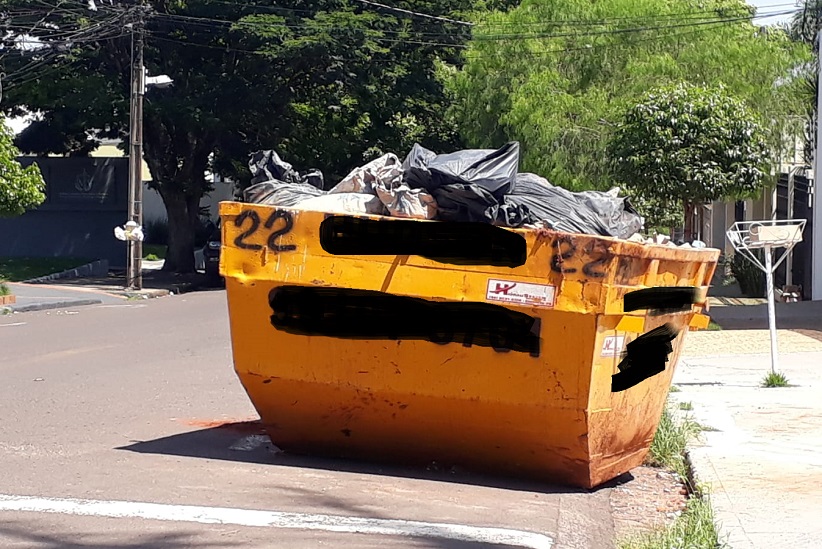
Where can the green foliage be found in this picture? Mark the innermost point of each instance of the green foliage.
(695, 528)
(4, 288)
(803, 28)
(751, 278)
(661, 213)
(21, 188)
(775, 379)
(689, 144)
(19, 269)
(671, 438)
(558, 76)
(328, 83)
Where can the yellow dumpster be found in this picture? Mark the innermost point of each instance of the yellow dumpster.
(546, 412)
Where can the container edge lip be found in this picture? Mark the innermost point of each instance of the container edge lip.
(232, 207)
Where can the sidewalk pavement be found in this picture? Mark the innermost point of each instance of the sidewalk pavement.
(763, 462)
(109, 289)
(40, 297)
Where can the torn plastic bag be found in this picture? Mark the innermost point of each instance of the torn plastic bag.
(267, 166)
(279, 193)
(474, 203)
(344, 203)
(493, 170)
(314, 178)
(385, 169)
(401, 201)
(590, 212)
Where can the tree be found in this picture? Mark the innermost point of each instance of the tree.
(557, 76)
(686, 145)
(328, 83)
(804, 27)
(21, 188)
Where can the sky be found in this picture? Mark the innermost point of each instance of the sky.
(773, 6)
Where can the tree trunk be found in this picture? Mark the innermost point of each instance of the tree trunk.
(183, 218)
(689, 221)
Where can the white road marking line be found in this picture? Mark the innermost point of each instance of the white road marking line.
(13, 324)
(275, 519)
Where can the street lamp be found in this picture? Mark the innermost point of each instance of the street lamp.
(140, 82)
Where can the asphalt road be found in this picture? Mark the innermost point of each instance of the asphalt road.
(124, 426)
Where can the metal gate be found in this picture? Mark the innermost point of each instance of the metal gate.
(802, 259)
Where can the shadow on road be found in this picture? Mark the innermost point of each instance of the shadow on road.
(19, 532)
(215, 443)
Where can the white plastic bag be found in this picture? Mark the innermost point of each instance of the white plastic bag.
(344, 203)
(386, 169)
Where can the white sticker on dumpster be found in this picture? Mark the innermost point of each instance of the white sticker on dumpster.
(612, 346)
(521, 293)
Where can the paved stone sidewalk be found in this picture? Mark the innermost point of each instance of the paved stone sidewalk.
(763, 461)
(747, 342)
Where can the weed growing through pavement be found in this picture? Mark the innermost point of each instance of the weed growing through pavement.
(775, 379)
(694, 528)
(668, 446)
(686, 406)
(674, 389)
(714, 327)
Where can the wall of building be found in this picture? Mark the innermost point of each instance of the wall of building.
(85, 199)
(153, 207)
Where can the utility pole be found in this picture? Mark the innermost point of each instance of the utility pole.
(134, 276)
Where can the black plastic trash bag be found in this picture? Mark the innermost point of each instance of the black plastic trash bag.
(280, 193)
(314, 178)
(492, 170)
(589, 212)
(268, 166)
(476, 204)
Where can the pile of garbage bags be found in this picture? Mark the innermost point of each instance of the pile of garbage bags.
(472, 185)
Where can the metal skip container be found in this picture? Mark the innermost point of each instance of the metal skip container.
(413, 359)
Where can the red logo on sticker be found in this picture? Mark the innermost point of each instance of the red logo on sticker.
(504, 288)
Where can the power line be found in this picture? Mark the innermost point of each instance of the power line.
(204, 21)
(416, 14)
(468, 57)
(622, 31)
(211, 23)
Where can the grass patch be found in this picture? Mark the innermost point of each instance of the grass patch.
(4, 289)
(674, 389)
(695, 528)
(18, 269)
(154, 252)
(714, 327)
(668, 446)
(777, 379)
(687, 406)
(707, 428)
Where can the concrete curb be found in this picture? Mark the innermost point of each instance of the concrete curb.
(95, 268)
(54, 305)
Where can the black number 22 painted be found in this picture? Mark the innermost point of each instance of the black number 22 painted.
(273, 238)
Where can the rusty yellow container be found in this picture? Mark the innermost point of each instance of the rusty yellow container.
(551, 417)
